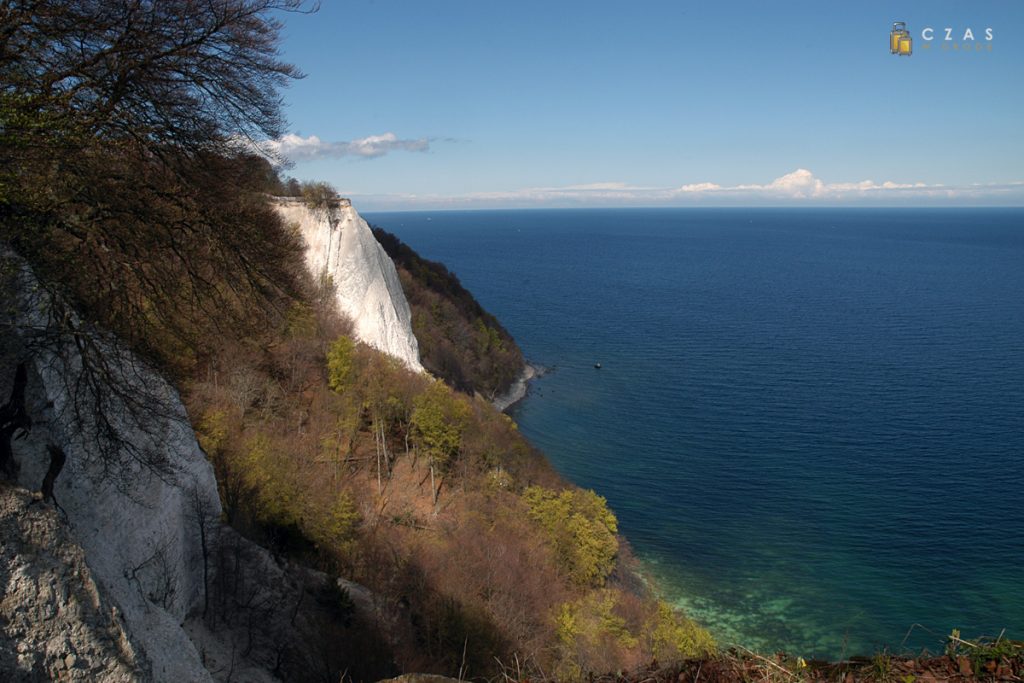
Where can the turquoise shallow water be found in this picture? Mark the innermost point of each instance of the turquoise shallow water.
(810, 422)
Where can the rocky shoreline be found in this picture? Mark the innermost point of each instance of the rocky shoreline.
(517, 392)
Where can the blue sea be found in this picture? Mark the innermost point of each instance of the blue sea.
(810, 422)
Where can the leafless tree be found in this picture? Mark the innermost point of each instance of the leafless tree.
(123, 178)
(127, 189)
(207, 524)
(155, 577)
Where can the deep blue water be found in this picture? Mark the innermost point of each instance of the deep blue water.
(809, 422)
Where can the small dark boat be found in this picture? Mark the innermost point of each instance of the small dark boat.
(597, 365)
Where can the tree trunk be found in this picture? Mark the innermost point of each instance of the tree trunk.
(376, 445)
(433, 490)
(202, 515)
(384, 447)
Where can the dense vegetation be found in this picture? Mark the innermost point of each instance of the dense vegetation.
(459, 341)
(123, 185)
(339, 456)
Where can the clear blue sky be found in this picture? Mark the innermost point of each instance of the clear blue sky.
(478, 103)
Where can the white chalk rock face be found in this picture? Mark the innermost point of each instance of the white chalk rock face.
(340, 244)
(135, 507)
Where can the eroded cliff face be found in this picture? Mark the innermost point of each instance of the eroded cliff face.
(130, 574)
(135, 486)
(55, 621)
(341, 246)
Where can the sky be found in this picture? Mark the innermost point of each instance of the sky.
(449, 104)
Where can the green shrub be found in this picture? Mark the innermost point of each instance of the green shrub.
(276, 499)
(675, 637)
(581, 530)
(438, 420)
(340, 363)
(212, 432)
(335, 529)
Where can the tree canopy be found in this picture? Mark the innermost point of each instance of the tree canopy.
(185, 74)
(438, 420)
(581, 530)
(124, 181)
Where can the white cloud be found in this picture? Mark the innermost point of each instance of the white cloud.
(297, 148)
(796, 188)
(598, 187)
(801, 185)
(699, 187)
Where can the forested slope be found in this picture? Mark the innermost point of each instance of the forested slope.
(460, 342)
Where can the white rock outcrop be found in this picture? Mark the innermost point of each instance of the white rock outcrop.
(133, 481)
(55, 622)
(341, 246)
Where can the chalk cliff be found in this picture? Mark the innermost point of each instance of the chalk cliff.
(57, 623)
(341, 246)
(144, 546)
(116, 586)
(135, 486)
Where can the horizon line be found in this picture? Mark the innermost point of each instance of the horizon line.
(799, 207)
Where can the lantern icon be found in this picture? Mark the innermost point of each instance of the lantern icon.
(900, 42)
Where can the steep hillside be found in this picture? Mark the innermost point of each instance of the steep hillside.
(183, 597)
(338, 456)
(460, 342)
